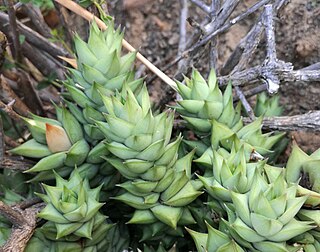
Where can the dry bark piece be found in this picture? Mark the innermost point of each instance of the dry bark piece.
(16, 163)
(24, 224)
(307, 122)
(7, 96)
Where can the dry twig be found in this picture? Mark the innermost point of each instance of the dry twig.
(206, 8)
(62, 13)
(252, 91)
(11, 143)
(7, 96)
(183, 28)
(43, 61)
(31, 97)
(14, 30)
(24, 224)
(306, 122)
(213, 56)
(244, 102)
(16, 163)
(35, 15)
(271, 61)
(284, 71)
(3, 45)
(10, 112)
(27, 203)
(241, 56)
(34, 38)
(222, 29)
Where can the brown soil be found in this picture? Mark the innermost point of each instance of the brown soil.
(153, 27)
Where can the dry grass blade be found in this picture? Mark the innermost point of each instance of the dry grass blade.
(70, 61)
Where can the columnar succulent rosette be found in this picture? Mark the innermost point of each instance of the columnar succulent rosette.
(99, 61)
(100, 70)
(266, 106)
(250, 136)
(208, 111)
(230, 173)
(159, 184)
(264, 218)
(73, 207)
(225, 142)
(132, 132)
(269, 106)
(203, 102)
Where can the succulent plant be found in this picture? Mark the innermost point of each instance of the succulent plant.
(214, 240)
(237, 189)
(304, 168)
(61, 147)
(72, 138)
(269, 106)
(203, 102)
(101, 70)
(44, 240)
(264, 218)
(107, 137)
(208, 112)
(158, 184)
(57, 145)
(230, 173)
(100, 62)
(266, 106)
(72, 206)
(107, 237)
(118, 238)
(309, 241)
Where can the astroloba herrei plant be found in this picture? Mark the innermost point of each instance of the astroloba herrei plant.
(109, 154)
